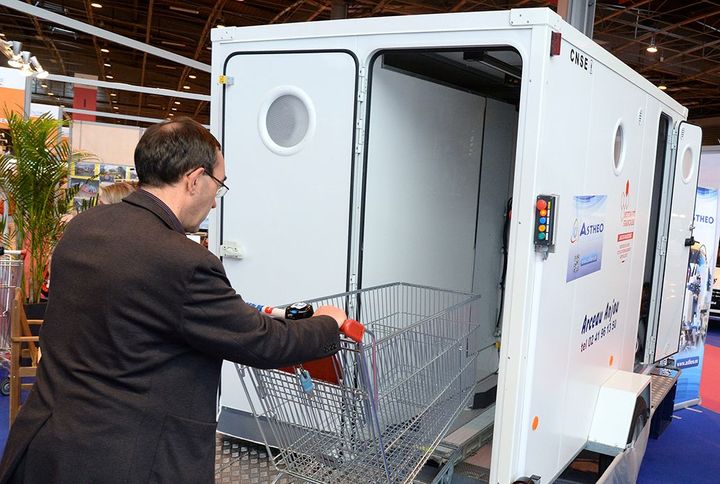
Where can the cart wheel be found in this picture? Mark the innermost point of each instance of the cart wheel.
(5, 386)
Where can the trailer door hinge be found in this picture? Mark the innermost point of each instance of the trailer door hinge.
(362, 85)
(674, 139)
(359, 141)
(662, 245)
(359, 135)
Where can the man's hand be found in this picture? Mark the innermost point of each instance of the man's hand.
(334, 312)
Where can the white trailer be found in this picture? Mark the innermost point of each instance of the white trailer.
(368, 151)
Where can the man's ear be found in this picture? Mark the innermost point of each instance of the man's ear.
(191, 179)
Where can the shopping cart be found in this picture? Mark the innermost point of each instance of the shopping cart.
(394, 396)
(10, 278)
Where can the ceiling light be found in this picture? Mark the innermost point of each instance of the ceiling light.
(662, 86)
(114, 101)
(104, 50)
(174, 109)
(171, 114)
(184, 10)
(652, 48)
(38, 68)
(115, 107)
(220, 26)
(21, 61)
(50, 94)
(43, 85)
(113, 94)
(192, 76)
(96, 5)
(177, 102)
(14, 51)
(186, 87)
(107, 64)
(109, 77)
(2, 35)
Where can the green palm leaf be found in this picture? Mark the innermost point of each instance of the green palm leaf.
(34, 177)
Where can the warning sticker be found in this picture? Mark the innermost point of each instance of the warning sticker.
(627, 225)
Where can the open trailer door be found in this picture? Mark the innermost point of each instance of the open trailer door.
(287, 131)
(679, 240)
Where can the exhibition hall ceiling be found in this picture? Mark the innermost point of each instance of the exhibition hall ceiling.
(686, 34)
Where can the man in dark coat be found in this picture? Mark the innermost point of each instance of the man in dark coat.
(137, 325)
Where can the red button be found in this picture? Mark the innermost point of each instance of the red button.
(541, 204)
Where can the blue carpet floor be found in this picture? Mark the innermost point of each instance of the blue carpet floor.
(687, 452)
(713, 336)
(4, 419)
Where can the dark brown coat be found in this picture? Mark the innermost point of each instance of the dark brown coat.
(138, 323)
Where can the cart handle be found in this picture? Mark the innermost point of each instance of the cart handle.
(353, 330)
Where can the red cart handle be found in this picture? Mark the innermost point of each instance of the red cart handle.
(353, 330)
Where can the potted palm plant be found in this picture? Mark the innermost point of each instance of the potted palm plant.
(34, 180)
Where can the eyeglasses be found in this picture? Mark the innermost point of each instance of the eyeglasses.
(222, 188)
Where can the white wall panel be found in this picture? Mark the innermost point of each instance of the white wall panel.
(423, 175)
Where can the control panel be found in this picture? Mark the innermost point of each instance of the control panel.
(545, 210)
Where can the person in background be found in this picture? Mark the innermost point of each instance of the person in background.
(114, 193)
(136, 330)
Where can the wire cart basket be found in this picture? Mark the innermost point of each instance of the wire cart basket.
(392, 397)
(11, 270)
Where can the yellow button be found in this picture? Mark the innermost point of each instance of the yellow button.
(543, 213)
(541, 228)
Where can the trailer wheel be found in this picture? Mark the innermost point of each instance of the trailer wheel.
(5, 386)
(640, 417)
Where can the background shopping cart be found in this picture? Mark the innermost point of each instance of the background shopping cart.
(398, 390)
(10, 278)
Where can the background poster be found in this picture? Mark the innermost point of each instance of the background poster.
(586, 239)
(698, 295)
(12, 93)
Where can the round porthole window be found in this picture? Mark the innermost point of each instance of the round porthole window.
(687, 165)
(618, 149)
(286, 120)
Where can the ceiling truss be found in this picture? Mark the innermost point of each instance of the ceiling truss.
(687, 35)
